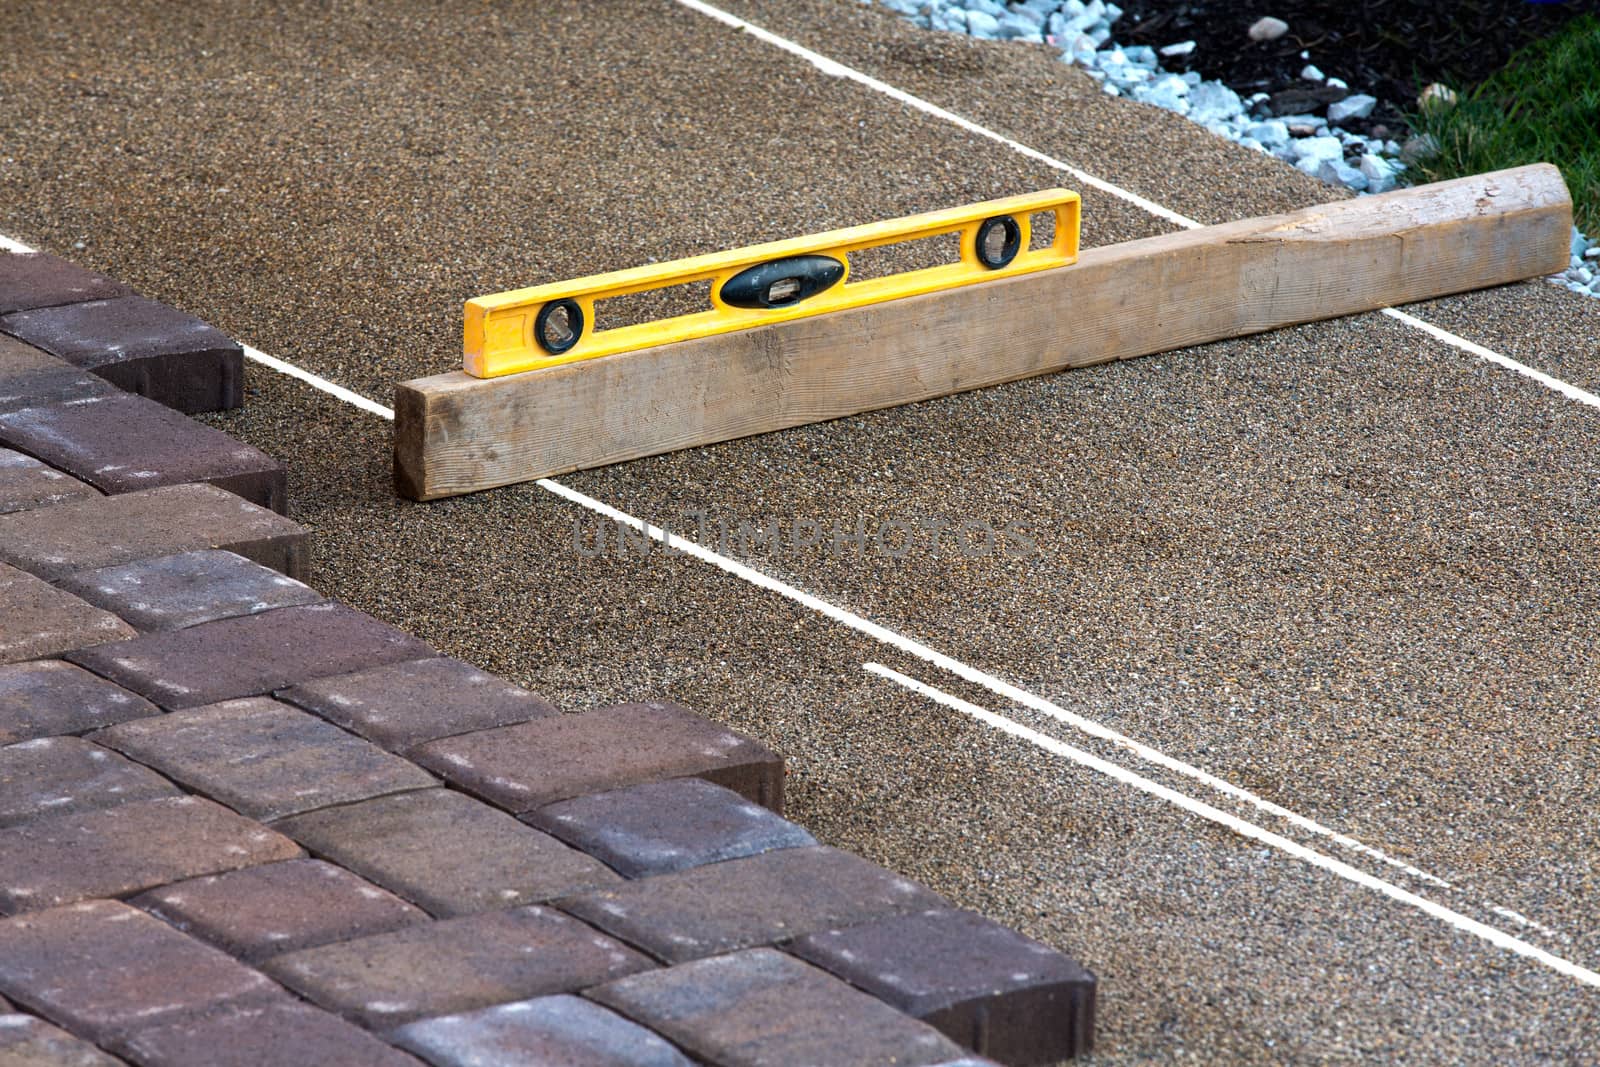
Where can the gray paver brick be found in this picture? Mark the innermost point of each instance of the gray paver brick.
(101, 968)
(26, 1041)
(263, 758)
(36, 279)
(667, 826)
(985, 986)
(29, 377)
(142, 346)
(265, 911)
(562, 1029)
(404, 704)
(124, 443)
(59, 775)
(173, 592)
(102, 532)
(27, 483)
(117, 851)
(48, 698)
(537, 763)
(251, 655)
(455, 965)
(37, 619)
(279, 1033)
(742, 903)
(447, 852)
(761, 1008)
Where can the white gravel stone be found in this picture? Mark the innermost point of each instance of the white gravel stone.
(1357, 106)
(1338, 172)
(1210, 101)
(1273, 133)
(1310, 73)
(1318, 148)
(1182, 48)
(1268, 28)
(1380, 175)
(982, 24)
(1167, 91)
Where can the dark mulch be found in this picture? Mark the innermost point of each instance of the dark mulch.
(1387, 48)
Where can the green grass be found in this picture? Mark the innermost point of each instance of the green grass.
(1543, 106)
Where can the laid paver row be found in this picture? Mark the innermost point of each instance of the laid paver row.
(99, 325)
(60, 401)
(221, 793)
(55, 543)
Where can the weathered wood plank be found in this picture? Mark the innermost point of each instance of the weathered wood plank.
(456, 434)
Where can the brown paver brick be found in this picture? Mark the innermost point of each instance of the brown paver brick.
(264, 758)
(456, 965)
(26, 483)
(29, 1042)
(265, 911)
(31, 280)
(760, 900)
(37, 619)
(101, 968)
(447, 852)
(985, 986)
(667, 826)
(87, 534)
(48, 698)
(117, 851)
(761, 1008)
(537, 763)
(252, 655)
(562, 1029)
(282, 1033)
(60, 775)
(174, 592)
(124, 443)
(405, 704)
(29, 377)
(143, 346)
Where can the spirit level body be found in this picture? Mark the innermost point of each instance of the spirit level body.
(500, 329)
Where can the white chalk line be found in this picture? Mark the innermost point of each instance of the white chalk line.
(833, 68)
(349, 396)
(1016, 695)
(1464, 923)
(1566, 389)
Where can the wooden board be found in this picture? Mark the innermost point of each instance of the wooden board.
(456, 434)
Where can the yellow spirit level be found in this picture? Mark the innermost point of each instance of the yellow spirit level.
(546, 325)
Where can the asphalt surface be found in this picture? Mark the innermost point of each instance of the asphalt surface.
(1344, 566)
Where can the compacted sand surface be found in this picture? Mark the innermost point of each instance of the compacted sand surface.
(1345, 567)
